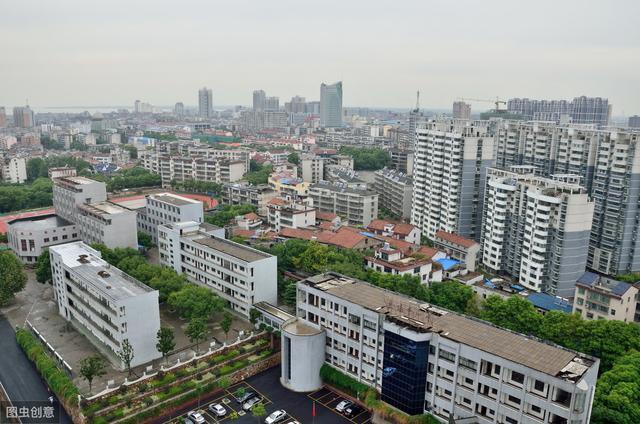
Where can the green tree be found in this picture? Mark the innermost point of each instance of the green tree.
(92, 367)
(225, 324)
(43, 267)
(617, 398)
(451, 295)
(227, 213)
(12, 277)
(258, 411)
(254, 315)
(315, 259)
(260, 176)
(367, 158)
(197, 331)
(145, 240)
(515, 313)
(289, 295)
(126, 355)
(166, 341)
(193, 301)
(293, 158)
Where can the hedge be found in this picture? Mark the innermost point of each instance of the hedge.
(342, 381)
(56, 379)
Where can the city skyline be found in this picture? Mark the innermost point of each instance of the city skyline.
(74, 57)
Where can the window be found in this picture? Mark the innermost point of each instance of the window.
(451, 357)
(468, 363)
(517, 378)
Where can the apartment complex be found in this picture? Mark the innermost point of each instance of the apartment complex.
(198, 168)
(425, 359)
(312, 168)
(395, 192)
(82, 201)
(104, 303)
(28, 237)
(290, 214)
(13, 170)
(600, 297)
(451, 162)
(607, 163)
(402, 160)
(581, 110)
(358, 207)
(165, 208)
(461, 110)
(237, 273)
(536, 229)
(242, 194)
(205, 103)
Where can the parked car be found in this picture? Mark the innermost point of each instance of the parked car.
(250, 402)
(245, 397)
(187, 421)
(276, 416)
(217, 410)
(343, 405)
(353, 410)
(196, 417)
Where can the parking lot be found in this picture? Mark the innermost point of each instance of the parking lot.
(299, 406)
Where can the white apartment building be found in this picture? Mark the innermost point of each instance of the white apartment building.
(27, 237)
(70, 192)
(312, 168)
(451, 161)
(242, 194)
(14, 170)
(395, 191)
(107, 223)
(425, 359)
(599, 297)
(199, 168)
(104, 303)
(165, 208)
(536, 229)
(290, 214)
(237, 273)
(358, 207)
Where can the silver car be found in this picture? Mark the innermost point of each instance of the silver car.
(249, 403)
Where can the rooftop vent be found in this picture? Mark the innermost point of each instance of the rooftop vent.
(104, 274)
(83, 259)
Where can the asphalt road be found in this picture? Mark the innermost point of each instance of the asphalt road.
(18, 375)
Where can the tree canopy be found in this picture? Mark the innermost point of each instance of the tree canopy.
(16, 197)
(367, 159)
(193, 302)
(12, 277)
(227, 213)
(617, 397)
(43, 267)
(260, 175)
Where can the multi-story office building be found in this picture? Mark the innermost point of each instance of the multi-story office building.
(395, 191)
(451, 162)
(242, 194)
(312, 168)
(259, 100)
(461, 110)
(27, 237)
(13, 170)
(205, 102)
(296, 105)
(426, 359)
(581, 110)
(198, 168)
(536, 229)
(331, 105)
(290, 214)
(358, 207)
(463, 249)
(178, 109)
(599, 297)
(104, 303)
(634, 121)
(83, 201)
(166, 208)
(23, 117)
(3, 117)
(237, 273)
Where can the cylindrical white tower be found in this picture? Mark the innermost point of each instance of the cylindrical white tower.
(302, 356)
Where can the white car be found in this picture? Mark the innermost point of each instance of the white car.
(276, 416)
(218, 410)
(196, 417)
(343, 405)
(249, 403)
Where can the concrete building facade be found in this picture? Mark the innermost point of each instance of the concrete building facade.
(395, 191)
(331, 105)
(599, 297)
(358, 207)
(28, 237)
(165, 208)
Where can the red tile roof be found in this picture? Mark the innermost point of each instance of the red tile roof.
(403, 229)
(455, 238)
(251, 216)
(378, 224)
(325, 216)
(277, 201)
(429, 252)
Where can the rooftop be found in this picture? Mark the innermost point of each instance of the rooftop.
(173, 199)
(104, 208)
(273, 310)
(604, 284)
(231, 248)
(37, 223)
(455, 239)
(341, 188)
(422, 317)
(108, 280)
(299, 328)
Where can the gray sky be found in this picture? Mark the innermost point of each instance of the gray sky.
(79, 52)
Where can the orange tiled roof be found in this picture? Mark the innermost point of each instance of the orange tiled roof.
(455, 238)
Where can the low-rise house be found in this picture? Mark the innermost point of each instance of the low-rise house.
(391, 261)
(458, 247)
(248, 221)
(600, 297)
(400, 231)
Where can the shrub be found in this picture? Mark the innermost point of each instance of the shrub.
(343, 382)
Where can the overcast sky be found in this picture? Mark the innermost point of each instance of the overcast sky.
(80, 52)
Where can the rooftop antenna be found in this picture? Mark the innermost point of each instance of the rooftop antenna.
(418, 100)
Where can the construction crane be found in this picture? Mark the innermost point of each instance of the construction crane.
(496, 102)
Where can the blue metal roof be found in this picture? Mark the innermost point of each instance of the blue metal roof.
(588, 278)
(447, 263)
(549, 302)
